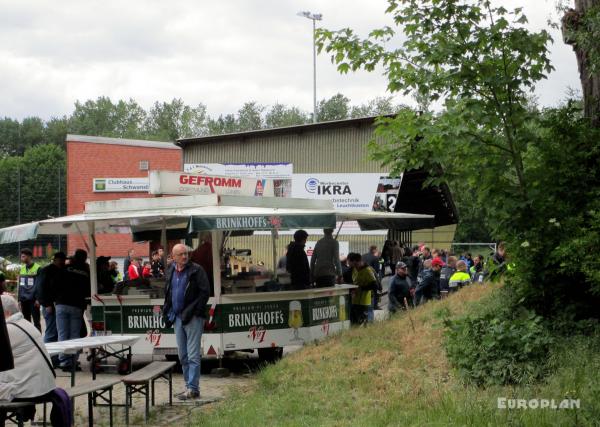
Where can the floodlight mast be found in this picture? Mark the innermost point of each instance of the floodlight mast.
(313, 17)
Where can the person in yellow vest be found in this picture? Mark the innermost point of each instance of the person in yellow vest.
(363, 276)
(27, 291)
(460, 278)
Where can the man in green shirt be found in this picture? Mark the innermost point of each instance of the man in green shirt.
(363, 276)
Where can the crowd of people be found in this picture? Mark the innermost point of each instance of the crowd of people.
(420, 274)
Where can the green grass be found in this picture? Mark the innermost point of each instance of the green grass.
(388, 374)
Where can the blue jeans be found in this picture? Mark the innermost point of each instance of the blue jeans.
(50, 334)
(68, 324)
(188, 345)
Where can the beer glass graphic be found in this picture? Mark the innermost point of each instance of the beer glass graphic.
(295, 318)
(343, 315)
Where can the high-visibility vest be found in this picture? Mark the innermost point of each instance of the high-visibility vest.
(26, 289)
(458, 279)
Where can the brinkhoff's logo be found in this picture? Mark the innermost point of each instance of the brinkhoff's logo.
(314, 186)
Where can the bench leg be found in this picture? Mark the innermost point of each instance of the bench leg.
(110, 407)
(90, 410)
(152, 392)
(147, 414)
(127, 403)
(170, 387)
(45, 413)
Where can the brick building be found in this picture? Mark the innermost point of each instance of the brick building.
(100, 168)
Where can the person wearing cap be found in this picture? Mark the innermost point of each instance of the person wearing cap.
(297, 261)
(51, 278)
(428, 281)
(399, 289)
(26, 290)
(325, 264)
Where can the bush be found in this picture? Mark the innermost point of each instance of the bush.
(498, 348)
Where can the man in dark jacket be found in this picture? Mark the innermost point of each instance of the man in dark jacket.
(399, 288)
(447, 271)
(428, 281)
(186, 294)
(70, 302)
(297, 261)
(50, 278)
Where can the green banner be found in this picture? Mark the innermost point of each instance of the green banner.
(296, 313)
(262, 222)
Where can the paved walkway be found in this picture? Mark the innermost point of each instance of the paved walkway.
(211, 389)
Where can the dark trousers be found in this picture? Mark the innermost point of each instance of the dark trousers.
(28, 309)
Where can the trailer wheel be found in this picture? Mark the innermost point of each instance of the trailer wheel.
(270, 354)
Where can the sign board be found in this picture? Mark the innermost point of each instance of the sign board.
(120, 185)
(280, 173)
(181, 183)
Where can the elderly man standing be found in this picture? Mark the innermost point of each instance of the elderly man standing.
(186, 295)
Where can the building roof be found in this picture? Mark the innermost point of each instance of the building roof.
(296, 129)
(118, 141)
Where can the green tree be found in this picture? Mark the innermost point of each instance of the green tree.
(335, 108)
(280, 116)
(379, 106)
(536, 173)
(55, 131)
(222, 125)
(581, 29)
(9, 136)
(168, 121)
(102, 117)
(250, 117)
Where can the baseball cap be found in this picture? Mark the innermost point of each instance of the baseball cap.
(438, 262)
(400, 264)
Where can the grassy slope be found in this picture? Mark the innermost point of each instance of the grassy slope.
(386, 374)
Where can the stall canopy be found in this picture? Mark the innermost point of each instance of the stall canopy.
(185, 215)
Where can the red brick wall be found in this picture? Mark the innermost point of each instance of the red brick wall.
(86, 161)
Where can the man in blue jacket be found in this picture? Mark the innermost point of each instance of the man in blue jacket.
(186, 294)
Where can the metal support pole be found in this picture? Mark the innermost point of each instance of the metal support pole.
(314, 71)
(59, 236)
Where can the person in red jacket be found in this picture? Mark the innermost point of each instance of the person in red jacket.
(147, 270)
(133, 271)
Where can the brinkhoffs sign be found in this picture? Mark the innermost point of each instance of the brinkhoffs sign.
(231, 317)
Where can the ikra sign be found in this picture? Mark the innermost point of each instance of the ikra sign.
(167, 182)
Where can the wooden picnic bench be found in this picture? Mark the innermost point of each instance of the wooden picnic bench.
(96, 390)
(13, 411)
(142, 382)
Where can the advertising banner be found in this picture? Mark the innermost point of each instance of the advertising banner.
(280, 173)
(181, 183)
(120, 185)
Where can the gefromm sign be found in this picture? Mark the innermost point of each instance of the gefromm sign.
(167, 182)
(262, 222)
(120, 185)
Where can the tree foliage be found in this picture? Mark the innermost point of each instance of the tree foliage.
(525, 168)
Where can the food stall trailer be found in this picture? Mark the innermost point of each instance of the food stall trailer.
(255, 316)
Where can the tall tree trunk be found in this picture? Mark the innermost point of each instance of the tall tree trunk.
(590, 83)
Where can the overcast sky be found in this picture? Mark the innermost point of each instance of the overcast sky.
(219, 53)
